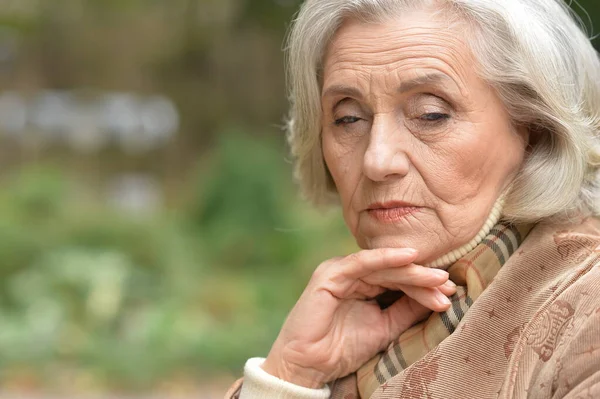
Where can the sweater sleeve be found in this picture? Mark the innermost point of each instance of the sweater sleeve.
(588, 388)
(258, 384)
(579, 373)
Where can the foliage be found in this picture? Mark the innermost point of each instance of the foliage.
(120, 301)
(134, 301)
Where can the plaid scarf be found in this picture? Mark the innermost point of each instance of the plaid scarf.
(472, 274)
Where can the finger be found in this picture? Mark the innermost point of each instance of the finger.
(346, 288)
(448, 288)
(364, 262)
(363, 290)
(342, 279)
(403, 314)
(431, 298)
(408, 275)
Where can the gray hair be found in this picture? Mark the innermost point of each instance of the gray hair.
(536, 56)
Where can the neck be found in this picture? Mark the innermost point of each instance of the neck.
(446, 260)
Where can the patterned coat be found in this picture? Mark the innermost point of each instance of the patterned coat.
(533, 333)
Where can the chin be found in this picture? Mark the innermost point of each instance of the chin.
(428, 251)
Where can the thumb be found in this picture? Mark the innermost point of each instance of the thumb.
(403, 314)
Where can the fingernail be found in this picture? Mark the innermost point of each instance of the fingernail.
(450, 284)
(443, 299)
(441, 273)
(411, 251)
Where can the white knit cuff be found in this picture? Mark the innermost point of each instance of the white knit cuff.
(258, 384)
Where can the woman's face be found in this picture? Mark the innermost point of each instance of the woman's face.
(419, 147)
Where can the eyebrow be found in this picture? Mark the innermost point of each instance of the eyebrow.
(409, 85)
(337, 90)
(432, 78)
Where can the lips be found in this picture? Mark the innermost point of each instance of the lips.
(391, 212)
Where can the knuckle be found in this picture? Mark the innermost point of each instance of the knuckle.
(323, 269)
(319, 271)
(412, 272)
(356, 257)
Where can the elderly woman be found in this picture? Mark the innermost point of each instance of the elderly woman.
(461, 139)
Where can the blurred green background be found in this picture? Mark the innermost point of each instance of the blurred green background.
(151, 238)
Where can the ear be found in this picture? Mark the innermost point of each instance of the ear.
(525, 133)
(531, 135)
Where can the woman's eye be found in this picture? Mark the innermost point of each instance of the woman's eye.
(434, 117)
(346, 120)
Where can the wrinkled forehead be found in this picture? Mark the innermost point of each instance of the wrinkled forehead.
(402, 47)
(433, 15)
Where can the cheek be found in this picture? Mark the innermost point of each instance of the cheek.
(499, 152)
(454, 167)
(479, 158)
(337, 161)
(344, 163)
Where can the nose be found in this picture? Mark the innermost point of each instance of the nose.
(385, 157)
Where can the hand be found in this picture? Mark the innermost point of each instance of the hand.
(335, 327)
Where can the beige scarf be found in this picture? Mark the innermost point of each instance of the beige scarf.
(472, 273)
